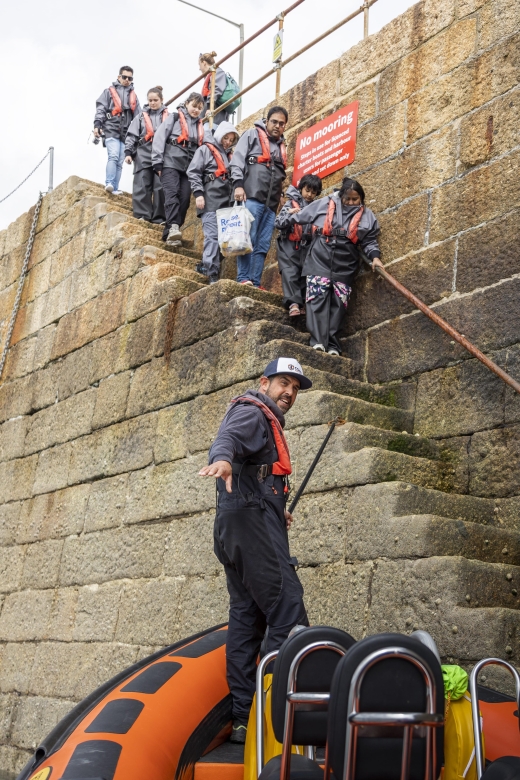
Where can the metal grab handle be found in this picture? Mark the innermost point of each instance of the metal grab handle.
(473, 689)
(396, 719)
(260, 709)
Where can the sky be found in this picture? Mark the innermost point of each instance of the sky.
(56, 57)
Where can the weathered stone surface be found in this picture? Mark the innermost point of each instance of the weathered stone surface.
(62, 422)
(475, 198)
(438, 56)
(11, 565)
(53, 468)
(9, 517)
(153, 287)
(74, 372)
(189, 547)
(204, 601)
(97, 612)
(15, 397)
(317, 535)
(498, 19)
(25, 615)
(111, 400)
(7, 708)
(53, 515)
(75, 669)
(391, 126)
(17, 477)
(309, 96)
(13, 759)
(404, 229)
(36, 716)
(489, 253)
(149, 611)
(20, 359)
(106, 503)
(17, 661)
(12, 438)
(112, 554)
(491, 131)
(336, 595)
(494, 459)
(42, 564)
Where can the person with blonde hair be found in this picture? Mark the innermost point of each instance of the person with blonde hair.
(206, 61)
(147, 192)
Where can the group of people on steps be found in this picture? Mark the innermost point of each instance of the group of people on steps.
(176, 155)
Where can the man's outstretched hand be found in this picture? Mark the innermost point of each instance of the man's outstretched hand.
(222, 469)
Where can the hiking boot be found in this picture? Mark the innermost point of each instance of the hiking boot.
(238, 733)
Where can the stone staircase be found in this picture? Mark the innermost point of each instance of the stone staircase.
(438, 559)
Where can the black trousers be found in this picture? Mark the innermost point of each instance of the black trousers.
(293, 285)
(264, 591)
(324, 318)
(148, 196)
(177, 192)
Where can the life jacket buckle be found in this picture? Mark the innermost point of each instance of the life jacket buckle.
(263, 472)
(251, 160)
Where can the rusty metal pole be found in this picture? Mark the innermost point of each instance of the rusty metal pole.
(366, 7)
(447, 328)
(279, 68)
(212, 96)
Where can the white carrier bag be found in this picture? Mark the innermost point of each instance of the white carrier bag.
(234, 226)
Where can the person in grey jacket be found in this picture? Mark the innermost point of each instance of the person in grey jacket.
(342, 225)
(293, 242)
(116, 107)
(147, 193)
(211, 185)
(258, 172)
(206, 61)
(174, 145)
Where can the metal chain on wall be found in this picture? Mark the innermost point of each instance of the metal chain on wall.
(21, 281)
(29, 176)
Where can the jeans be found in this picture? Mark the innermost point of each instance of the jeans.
(250, 267)
(116, 158)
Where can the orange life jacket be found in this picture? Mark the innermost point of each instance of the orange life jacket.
(297, 231)
(148, 123)
(118, 108)
(282, 466)
(221, 165)
(265, 157)
(352, 231)
(185, 134)
(206, 87)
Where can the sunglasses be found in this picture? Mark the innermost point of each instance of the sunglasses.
(277, 123)
(127, 78)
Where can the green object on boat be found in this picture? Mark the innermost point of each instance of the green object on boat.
(455, 681)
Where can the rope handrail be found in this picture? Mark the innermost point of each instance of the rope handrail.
(27, 177)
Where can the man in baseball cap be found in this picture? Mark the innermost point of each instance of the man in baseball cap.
(251, 462)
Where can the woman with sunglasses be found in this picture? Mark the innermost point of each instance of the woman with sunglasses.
(115, 108)
(206, 61)
(147, 193)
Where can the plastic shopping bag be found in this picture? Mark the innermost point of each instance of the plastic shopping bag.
(233, 230)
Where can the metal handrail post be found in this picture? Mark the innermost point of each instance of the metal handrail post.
(447, 328)
(473, 690)
(279, 68)
(51, 169)
(241, 70)
(212, 96)
(366, 8)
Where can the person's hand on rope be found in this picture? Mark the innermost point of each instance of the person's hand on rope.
(289, 519)
(222, 469)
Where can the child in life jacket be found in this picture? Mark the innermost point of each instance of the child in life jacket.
(147, 192)
(341, 226)
(174, 144)
(293, 241)
(211, 185)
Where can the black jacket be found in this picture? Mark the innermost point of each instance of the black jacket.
(115, 126)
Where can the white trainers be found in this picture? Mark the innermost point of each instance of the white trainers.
(109, 188)
(319, 347)
(117, 192)
(174, 234)
(333, 351)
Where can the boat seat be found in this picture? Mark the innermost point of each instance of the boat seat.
(304, 668)
(379, 677)
(504, 768)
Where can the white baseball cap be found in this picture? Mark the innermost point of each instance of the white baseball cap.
(284, 365)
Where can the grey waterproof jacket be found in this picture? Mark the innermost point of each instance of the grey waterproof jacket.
(217, 191)
(291, 252)
(262, 182)
(166, 152)
(336, 257)
(115, 126)
(135, 145)
(220, 86)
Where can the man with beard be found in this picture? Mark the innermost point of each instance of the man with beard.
(250, 460)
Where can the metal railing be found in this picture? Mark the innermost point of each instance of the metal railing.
(277, 66)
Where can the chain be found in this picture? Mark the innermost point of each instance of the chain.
(21, 281)
(27, 177)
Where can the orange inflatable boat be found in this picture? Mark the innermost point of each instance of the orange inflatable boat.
(168, 718)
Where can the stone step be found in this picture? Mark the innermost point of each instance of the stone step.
(423, 536)
(316, 407)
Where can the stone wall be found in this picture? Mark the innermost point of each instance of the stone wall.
(123, 362)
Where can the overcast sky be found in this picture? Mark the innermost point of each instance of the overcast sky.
(57, 56)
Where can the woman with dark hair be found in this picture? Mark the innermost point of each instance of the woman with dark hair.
(147, 193)
(341, 225)
(206, 62)
(174, 144)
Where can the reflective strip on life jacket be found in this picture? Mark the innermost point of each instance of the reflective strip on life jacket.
(221, 165)
(352, 231)
(148, 123)
(206, 87)
(185, 134)
(118, 108)
(265, 157)
(297, 231)
(283, 464)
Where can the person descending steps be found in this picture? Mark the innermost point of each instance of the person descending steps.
(250, 461)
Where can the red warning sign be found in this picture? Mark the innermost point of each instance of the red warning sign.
(328, 145)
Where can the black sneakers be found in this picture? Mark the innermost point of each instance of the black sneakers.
(238, 734)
